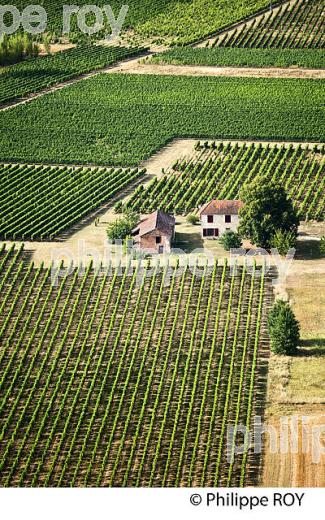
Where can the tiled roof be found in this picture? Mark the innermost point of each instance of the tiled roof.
(222, 207)
(157, 220)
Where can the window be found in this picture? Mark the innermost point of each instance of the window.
(210, 232)
(210, 219)
(228, 219)
(158, 240)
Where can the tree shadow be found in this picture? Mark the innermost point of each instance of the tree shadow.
(188, 241)
(308, 250)
(312, 348)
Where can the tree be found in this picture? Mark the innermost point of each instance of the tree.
(122, 227)
(193, 219)
(266, 210)
(283, 328)
(283, 241)
(231, 240)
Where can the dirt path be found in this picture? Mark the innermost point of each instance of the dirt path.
(197, 70)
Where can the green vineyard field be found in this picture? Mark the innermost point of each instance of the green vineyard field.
(40, 73)
(121, 379)
(238, 57)
(178, 20)
(221, 170)
(40, 202)
(121, 119)
(297, 25)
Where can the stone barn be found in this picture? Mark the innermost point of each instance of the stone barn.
(155, 233)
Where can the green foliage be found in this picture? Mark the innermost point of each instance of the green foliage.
(36, 74)
(42, 201)
(101, 357)
(296, 25)
(231, 240)
(121, 228)
(118, 207)
(17, 46)
(192, 219)
(283, 241)
(283, 328)
(177, 20)
(121, 119)
(219, 172)
(238, 57)
(185, 21)
(266, 210)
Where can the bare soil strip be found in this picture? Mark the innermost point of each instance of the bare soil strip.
(197, 70)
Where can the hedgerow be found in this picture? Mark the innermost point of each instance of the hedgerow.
(122, 119)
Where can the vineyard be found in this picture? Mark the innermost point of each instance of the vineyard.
(39, 202)
(37, 74)
(122, 119)
(238, 57)
(220, 170)
(129, 377)
(152, 18)
(298, 24)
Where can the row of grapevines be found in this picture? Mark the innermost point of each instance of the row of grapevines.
(37, 74)
(198, 179)
(294, 25)
(43, 201)
(124, 379)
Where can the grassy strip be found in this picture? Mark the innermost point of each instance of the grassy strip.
(237, 57)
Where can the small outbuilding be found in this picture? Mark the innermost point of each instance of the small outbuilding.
(155, 233)
(219, 216)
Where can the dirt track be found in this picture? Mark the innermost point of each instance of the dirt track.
(197, 70)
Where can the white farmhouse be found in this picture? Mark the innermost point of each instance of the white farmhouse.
(219, 216)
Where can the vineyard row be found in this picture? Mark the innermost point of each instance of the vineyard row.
(137, 384)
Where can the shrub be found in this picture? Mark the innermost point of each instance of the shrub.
(231, 240)
(122, 227)
(283, 241)
(15, 47)
(118, 208)
(193, 219)
(284, 329)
